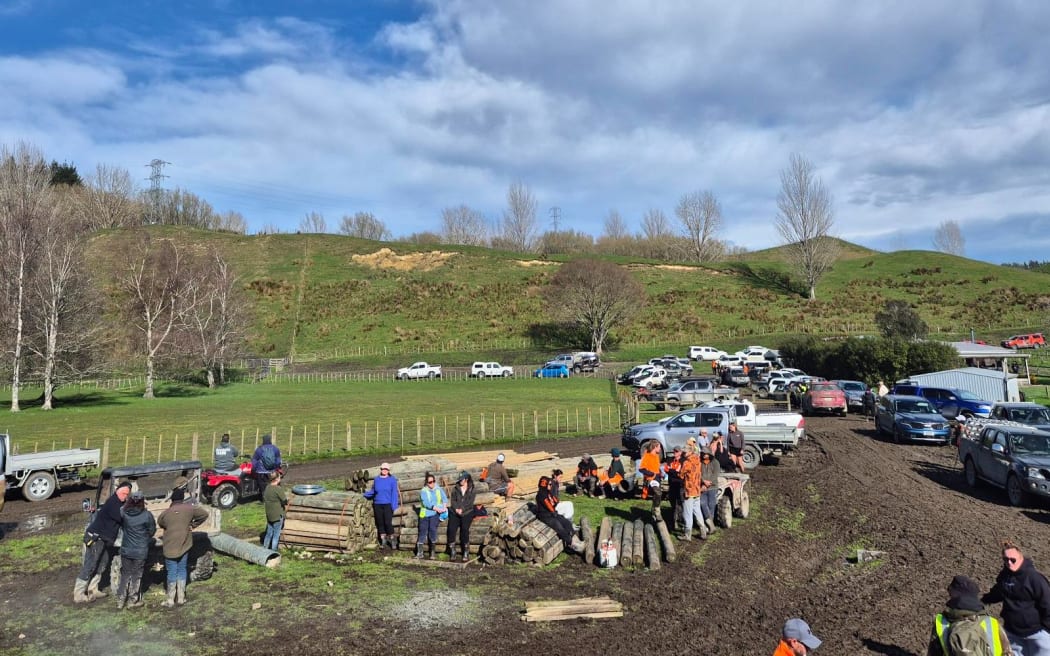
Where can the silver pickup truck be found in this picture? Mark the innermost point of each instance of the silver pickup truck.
(39, 474)
(689, 393)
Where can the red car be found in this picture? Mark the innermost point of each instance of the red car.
(1031, 340)
(825, 397)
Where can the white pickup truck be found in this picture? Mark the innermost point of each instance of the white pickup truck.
(490, 370)
(39, 474)
(766, 433)
(418, 370)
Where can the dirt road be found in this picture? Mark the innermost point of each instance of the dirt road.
(844, 489)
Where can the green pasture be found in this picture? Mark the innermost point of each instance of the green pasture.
(314, 418)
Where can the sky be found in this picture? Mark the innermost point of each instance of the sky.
(912, 113)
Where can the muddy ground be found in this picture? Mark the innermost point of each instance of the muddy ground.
(844, 489)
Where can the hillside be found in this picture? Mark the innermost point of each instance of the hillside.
(323, 294)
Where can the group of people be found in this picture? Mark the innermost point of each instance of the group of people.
(125, 511)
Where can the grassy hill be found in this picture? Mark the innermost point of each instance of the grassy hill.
(337, 296)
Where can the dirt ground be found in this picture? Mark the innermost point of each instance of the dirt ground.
(844, 489)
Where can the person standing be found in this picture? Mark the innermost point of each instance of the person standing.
(386, 498)
(461, 515)
(883, 390)
(691, 507)
(673, 470)
(497, 477)
(1025, 595)
(709, 473)
(274, 499)
(433, 508)
(796, 639)
(139, 527)
(266, 459)
(650, 468)
(225, 455)
(178, 522)
(735, 442)
(99, 538)
(963, 627)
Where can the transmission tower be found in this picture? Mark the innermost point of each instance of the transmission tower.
(555, 213)
(156, 192)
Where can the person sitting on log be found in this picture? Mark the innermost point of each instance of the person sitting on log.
(547, 512)
(497, 477)
(586, 478)
(461, 515)
(612, 478)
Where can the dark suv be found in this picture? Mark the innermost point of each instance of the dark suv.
(950, 402)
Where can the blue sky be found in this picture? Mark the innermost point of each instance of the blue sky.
(913, 113)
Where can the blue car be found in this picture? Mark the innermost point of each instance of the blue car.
(552, 370)
(948, 401)
(911, 419)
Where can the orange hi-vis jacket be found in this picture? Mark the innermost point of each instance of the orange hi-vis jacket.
(783, 650)
(691, 476)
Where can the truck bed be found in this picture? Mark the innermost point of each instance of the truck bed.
(777, 437)
(67, 458)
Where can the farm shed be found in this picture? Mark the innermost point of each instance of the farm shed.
(987, 356)
(989, 384)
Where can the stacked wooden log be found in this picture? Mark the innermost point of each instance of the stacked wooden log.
(636, 544)
(336, 521)
(590, 607)
(517, 535)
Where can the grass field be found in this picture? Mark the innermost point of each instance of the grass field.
(312, 418)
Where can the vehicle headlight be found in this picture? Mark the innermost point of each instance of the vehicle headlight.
(1035, 472)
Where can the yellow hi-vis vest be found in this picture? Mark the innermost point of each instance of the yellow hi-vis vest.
(989, 625)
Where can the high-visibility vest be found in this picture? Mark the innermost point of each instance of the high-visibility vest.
(990, 625)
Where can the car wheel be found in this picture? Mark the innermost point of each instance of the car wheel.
(225, 496)
(724, 512)
(898, 435)
(39, 486)
(970, 471)
(1015, 491)
(431, 375)
(672, 406)
(745, 505)
(752, 457)
(506, 374)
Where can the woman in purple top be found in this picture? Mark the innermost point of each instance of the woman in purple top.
(386, 498)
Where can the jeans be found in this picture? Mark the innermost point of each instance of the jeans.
(428, 529)
(131, 570)
(709, 501)
(176, 568)
(691, 507)
(96, 560)
(273, 534)
(1037, 644)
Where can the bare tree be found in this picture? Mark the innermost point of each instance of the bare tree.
(230, 222)
(518, 226)
(701, 217)
(463, 225)
(948, 238)
(565, 242)
(313, 222)
(110, 200)
(364, 225)
(804, 220)
(26, 198)
(596, 295)
(153, 281)
(659, 237)
(210, 315)
(615, 227)
(270, 229)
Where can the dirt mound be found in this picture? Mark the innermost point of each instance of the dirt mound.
(532, 263)
(385, 258)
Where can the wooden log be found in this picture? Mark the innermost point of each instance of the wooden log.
(652, 553)
(666, 541)
(587, 534)
(604, 530)
(617, 538)
(638, 552)
(627, 545)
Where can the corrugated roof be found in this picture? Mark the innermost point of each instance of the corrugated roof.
(972, 350)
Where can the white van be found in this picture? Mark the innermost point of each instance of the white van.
(705, 353)
(490, 370)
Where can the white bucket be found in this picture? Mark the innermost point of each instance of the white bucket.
(608, 556)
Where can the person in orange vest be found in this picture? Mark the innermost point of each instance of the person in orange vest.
(587, 476)
(796, 639)
(652, 474)
(546, 512)
(610, 479)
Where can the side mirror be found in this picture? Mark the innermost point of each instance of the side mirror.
(998, 448)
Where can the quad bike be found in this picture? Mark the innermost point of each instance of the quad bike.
(224, 489)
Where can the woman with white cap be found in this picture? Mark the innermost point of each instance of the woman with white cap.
(385, 494)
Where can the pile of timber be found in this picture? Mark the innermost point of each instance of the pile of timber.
(518, 536)
(637, 544)
(592, 607)
(331, 521)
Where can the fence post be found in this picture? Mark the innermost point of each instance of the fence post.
(349, 437)
(318, 438)
(482, 426)
(175, 451)
(590, 427)
(143, 449)
(193, 448)
(419, 431)
(105, 454)
(535, 423)
(127, 446)
(160, 445)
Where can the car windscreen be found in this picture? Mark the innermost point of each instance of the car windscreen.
(852, 387)
(967, 396)
(915, 406)
(1036, 445)
(1040, 416)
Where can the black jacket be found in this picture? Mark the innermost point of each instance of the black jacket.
(461, 500)
(107, 520)
(139, 527)
(1026, 599)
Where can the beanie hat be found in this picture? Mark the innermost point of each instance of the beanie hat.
(963, 594)
(178, 494)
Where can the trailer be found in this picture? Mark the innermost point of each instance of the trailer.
(38, 475)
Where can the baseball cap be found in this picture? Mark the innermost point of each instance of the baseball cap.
(385, 465)
(501, 458)
(463, 476)
(797, 629)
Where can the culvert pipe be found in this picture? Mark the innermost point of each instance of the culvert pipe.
(253, 553)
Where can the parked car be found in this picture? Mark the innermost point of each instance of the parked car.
(1029, 340)
(1031, 414)
(490, 370)
(950, 402)
(824, 397)
(705, 353)
(418, 370)
(735, 376)
(910, 419)
(552, 370)
(854, 390)
(757, 353)
(730, 361)
(1009, 456)
(588, 362)
(566, 359)
(626, 377)
(654, 378)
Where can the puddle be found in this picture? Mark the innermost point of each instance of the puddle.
(36, 523)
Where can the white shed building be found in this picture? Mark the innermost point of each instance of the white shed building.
(989, 384)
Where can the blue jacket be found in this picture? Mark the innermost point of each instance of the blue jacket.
(384, 490)
(429, 499)
(266, 451)
(139, 527)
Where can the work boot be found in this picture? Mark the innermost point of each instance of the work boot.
(80, 595)
(170, 601)
(710, 523)
(577, 545)
(453, 551)
(121, 600)
(93, 588)
(466, 554)
(180, 593)
(687, 537)
(433, 553)
(136, 602)
(419, 550)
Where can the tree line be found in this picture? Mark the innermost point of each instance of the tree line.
(156, 300)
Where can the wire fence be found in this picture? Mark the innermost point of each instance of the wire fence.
(405, 435)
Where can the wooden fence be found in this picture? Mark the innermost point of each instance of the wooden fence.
(422, 433)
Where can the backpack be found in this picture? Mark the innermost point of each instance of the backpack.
(970, 637)
(268, 459)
